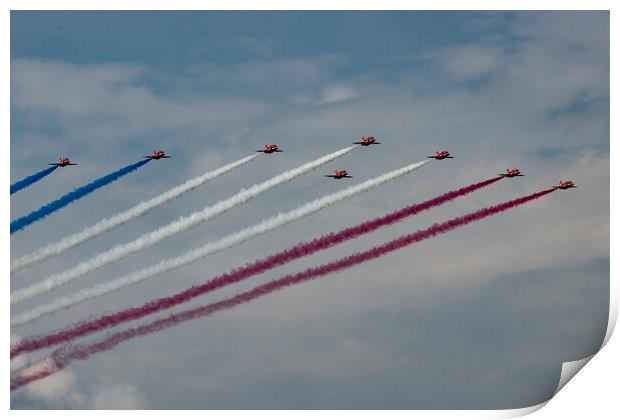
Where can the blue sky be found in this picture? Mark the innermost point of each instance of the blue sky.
(155, 38)
(479, 318)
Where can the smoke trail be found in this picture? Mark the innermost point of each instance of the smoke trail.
(38, 370)
(300, 250)
(67, 354)
(76, 194)
(104, 225)
(180, 225)
(29, 180)
(211, 247)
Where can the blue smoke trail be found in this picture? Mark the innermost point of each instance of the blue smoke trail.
(76, 194)
(29, 180)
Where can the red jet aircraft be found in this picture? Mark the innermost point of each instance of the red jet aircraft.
(367, 141)
(158, 154)
(339, 175)
(62, 162)
(564, 185)
(511, 173)
(444, 154)
(270, 148)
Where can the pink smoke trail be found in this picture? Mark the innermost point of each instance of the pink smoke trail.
(63, 356)
(303, 249)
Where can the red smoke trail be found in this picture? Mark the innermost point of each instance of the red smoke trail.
(61, 357)
(300, 250)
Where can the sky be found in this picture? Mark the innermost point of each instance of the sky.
(479, 318)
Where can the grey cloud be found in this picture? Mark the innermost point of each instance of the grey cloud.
(470, 61)
(270, 74)
(63, 390)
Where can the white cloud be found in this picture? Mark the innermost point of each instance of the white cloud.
(118, 397)
(470, 61)
(337, 94)
(108, 105)
(62, 390)
(54, 389)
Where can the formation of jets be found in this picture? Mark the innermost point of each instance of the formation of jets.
(62, 162)
(339, 174)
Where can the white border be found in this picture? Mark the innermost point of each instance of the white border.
(595, 385)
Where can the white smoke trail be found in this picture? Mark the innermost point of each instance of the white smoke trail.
(163, 266)
(104, 225)
(122, 250)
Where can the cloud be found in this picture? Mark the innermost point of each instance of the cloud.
(470, 61)
(119, 397)
(543, 62)
(266, 75)
(57, 391)
(62, 390)
(69, 88)
(109, 105)
(54, 389)
(337, 94)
